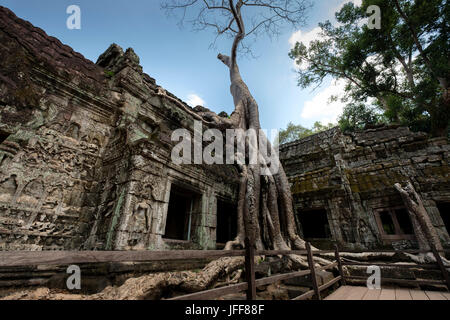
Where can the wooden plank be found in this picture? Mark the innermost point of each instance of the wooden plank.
(339, 262)
(392, 251)
(387, 294)
(305, 296)
(313, 271)
(415, 282)
(381, 265)
(341, 293)
(328, 267)
(357, 293)
(402, 294)
(401, 281)
(250, 269)
(329, 283)
(32, 258)
(280, 277)
(319, 252)
(435, 295)
(446, 295)
(444, 272)
(418, 295)
(279, 252)
(372, 294)
(214, 293)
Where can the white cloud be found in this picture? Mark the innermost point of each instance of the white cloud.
(194, 100)
(320, 108)
(305, 37)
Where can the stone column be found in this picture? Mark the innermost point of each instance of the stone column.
(204, 220)
(159, 218)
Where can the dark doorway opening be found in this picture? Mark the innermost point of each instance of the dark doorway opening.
(179, 214)
(444, 210)
(3, 136)
(315, 224)
(226, 222)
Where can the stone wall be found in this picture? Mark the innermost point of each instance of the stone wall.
(352, 177)
(85, 150)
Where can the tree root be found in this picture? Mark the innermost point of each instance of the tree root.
(425, 258)
(153, 287)
(160, 285)
(148, 287)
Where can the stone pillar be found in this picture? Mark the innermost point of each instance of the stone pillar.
(333, 220)
(159, 218)
(204, 221)
(436, 220)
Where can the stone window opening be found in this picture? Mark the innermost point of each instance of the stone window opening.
(394, 224)
(444, 210)
(180, 213)
(226, 222)
(387, 222)
(314, 224)
(404, 221)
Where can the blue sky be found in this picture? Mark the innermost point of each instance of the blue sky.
(181, 61)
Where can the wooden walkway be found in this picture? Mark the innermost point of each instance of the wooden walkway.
(363, 293)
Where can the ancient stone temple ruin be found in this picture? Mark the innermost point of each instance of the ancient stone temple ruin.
(343, 185)
(85, 154)
(85, 163)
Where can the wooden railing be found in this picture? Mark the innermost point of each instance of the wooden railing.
(10, 259)
(251, 283)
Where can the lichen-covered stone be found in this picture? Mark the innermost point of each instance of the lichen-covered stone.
(352, 175)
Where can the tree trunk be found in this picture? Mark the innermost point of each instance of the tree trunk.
(425, 232)
(265, 203)
(266, 214)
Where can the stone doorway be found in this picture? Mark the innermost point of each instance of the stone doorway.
(444, 210)
(314, 224)
(179, 214)
(226, 222)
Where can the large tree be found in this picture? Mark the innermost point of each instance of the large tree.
(265, 211)
(403, 67)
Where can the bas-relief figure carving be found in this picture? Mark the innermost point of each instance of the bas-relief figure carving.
(140, 225)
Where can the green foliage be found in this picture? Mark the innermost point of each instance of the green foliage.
(358, 116)
(296, 132)
(403, 67)
(319, 127)
(109, 74)
(223, 114)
